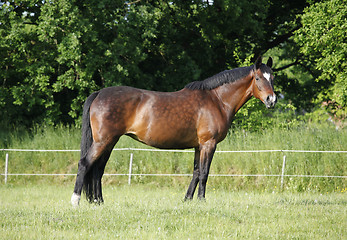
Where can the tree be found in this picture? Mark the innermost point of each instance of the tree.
(55, 53)
(323, 43)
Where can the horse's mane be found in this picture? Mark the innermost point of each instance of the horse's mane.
(219, 79)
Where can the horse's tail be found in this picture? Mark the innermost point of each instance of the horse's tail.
(86, 142)
(87, 138)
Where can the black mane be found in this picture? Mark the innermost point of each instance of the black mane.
(219, 79)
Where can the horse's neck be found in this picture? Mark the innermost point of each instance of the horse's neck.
(234, 95)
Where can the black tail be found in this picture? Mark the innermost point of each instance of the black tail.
(87, 138)
(86, 142)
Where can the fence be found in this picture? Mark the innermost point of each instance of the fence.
(130, 174)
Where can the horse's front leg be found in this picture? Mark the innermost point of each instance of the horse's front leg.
(206, 154)
(195, 180)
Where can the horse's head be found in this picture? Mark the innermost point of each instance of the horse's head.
(263, 83)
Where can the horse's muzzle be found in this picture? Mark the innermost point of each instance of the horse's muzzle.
(270, 101)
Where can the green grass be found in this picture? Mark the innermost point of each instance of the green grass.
(304, 137)
(142, 212)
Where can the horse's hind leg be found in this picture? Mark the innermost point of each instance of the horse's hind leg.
(88, 169)
(98, 172)
(82, 170)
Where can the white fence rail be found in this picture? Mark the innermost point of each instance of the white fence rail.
(130, 174)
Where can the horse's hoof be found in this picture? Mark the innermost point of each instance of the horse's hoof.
(202, 199)
(75, 199)
(187, 199)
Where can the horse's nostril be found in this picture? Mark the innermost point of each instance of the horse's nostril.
(268, 98)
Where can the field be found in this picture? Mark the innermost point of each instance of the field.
(142, 212)
(38, 207)
(305, 137)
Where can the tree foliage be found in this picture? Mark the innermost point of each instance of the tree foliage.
(55, 53)
(323, 42)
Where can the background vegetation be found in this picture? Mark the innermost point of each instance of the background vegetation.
(303, 137)
(53, 54)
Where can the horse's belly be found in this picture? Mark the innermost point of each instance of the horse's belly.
(165, 125)
(174, 139)
(166, 137)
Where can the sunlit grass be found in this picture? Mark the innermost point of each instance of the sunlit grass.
(146, 212)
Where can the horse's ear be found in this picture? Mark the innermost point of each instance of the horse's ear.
(258, 62)
(269, 62)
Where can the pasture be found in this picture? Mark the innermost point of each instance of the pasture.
(38, 207)
(33, 211)
(304, 137)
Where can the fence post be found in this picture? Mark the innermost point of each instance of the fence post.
(6, 168)
(130, 168)
(283, 166)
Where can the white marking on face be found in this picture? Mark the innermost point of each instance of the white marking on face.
(272, 98)
(267, 76)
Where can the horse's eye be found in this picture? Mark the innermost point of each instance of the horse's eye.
(257, 78)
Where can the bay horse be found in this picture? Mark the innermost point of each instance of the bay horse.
(198, 116)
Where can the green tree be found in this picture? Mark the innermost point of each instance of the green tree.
(323, 43)
(55, 53)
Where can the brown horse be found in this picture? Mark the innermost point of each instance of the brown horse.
(198, 116)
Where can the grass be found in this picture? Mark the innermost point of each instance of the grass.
(304, 137)
(142, 212)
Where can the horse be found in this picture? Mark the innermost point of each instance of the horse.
(198, 116)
